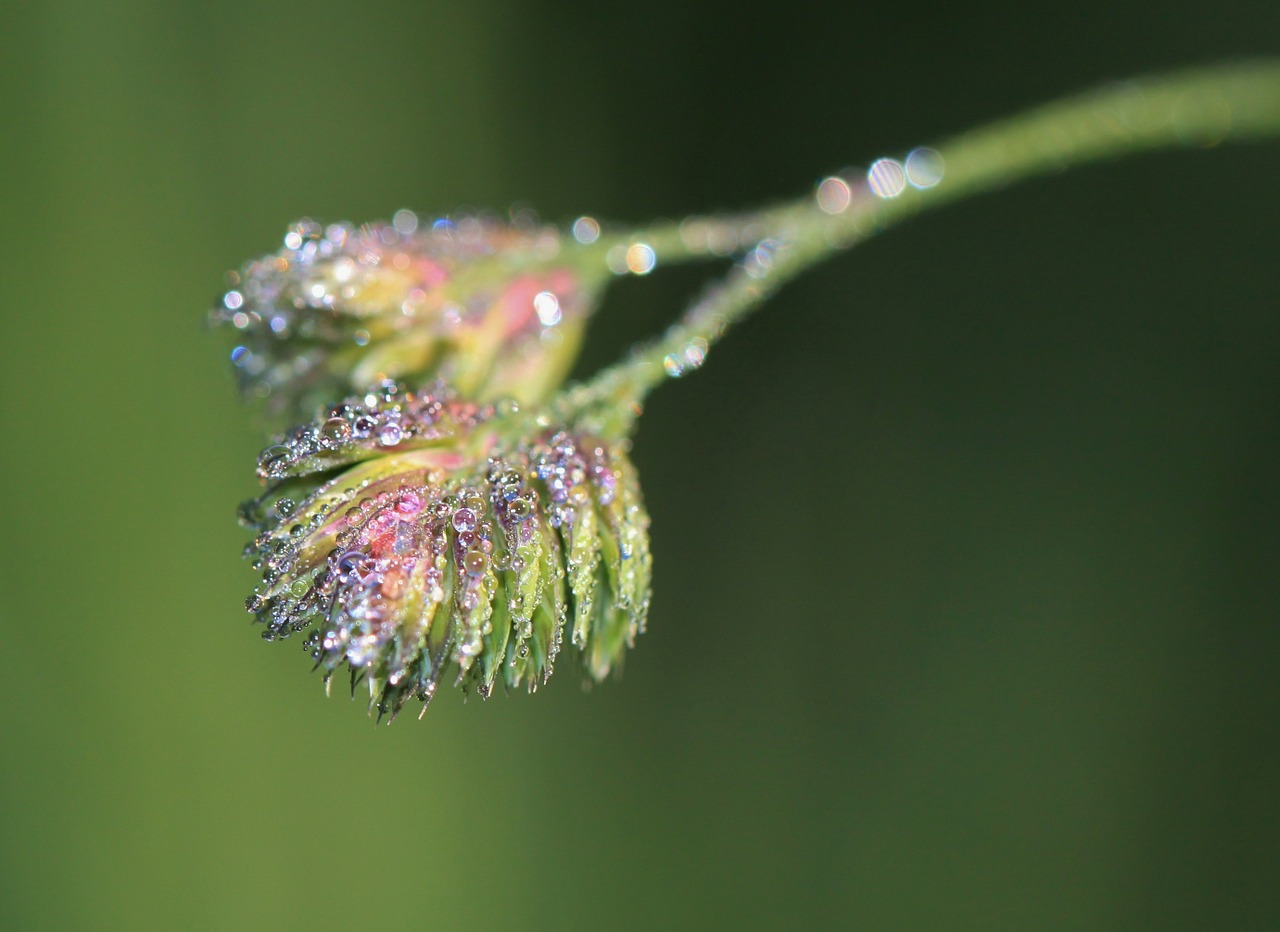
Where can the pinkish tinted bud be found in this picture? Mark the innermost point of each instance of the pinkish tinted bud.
(495, 309)
(463, 550)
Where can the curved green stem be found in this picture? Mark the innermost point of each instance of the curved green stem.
(1201, 107)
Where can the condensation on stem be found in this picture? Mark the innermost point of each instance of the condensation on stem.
(1202, 107)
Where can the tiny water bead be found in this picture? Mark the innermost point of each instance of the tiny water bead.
(467, 556)
(586, 230)
(389, 434)
(493, 307)
(924, 167)
(887, 178)
(691, 357)
(833, 195)
(641, 259)
(547, 306)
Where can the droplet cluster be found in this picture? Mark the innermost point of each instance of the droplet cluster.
(384, 420)
(885, 178)
(463, 557)
(492, 307)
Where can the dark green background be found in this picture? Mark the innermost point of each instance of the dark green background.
(966, 549)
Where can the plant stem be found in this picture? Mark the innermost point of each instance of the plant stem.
(1202, 107)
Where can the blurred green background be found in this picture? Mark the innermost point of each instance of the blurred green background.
(966, 549)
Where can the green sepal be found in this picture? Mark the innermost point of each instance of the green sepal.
(494, 656)
(611, 635)
(441, 635)
(473, 623)
(582, 542)
(538, 660)
(525, 586)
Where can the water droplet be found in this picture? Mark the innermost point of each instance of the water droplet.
(410, 503)
(547, 306)
(586, 230)
(351, 565)
(640, 259)
(405, 221)
(695, 353)
(475, 562)
(924, 167)
(336, 430)
(887, 178)
(390, 434)
(273, 459)
(833, 195)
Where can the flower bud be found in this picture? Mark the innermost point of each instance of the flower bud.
(496, 310)
(460, 549)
